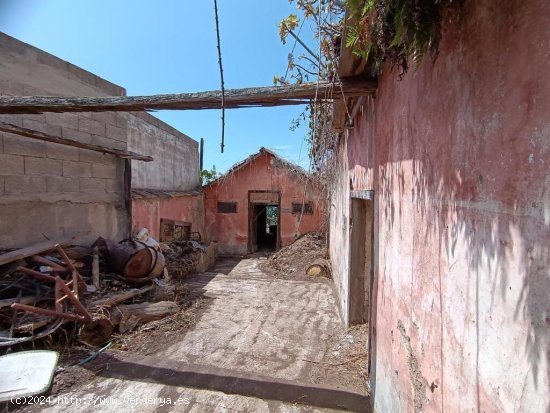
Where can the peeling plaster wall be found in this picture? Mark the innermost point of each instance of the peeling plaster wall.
(175, 169)
(458, 154)
(262, 173)
(339, 247)
(147, 212)
(54, 190)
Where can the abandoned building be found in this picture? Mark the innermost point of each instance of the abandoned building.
(439, 232)
(262, 203)
(437, 221)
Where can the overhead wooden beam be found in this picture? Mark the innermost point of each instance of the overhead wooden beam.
(29, 133)
(233, 98)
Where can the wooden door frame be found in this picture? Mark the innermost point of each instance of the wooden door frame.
(251, 217)
(367, 196)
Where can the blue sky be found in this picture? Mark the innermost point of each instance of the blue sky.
(169, 46)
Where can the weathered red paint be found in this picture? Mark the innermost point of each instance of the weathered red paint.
(147, 212)
(458, 156)
(264, 172)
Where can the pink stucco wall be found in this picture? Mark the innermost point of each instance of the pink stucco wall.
(263, 173)
(458, 156)
(147, 212)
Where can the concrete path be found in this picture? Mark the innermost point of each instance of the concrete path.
(246, 354)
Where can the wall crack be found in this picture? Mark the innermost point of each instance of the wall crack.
(419, 382)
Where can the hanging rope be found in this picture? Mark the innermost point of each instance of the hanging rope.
(221, 73)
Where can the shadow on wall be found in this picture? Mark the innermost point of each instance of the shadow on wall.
(465, 168)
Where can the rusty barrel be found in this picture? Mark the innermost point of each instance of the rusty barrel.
(135, 260)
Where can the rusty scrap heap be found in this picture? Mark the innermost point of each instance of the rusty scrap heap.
(48, 284)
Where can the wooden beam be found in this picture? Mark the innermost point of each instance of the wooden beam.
(29, 133)
(37, 248)
(233, 98)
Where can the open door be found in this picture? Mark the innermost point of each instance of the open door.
(264, 221)
(361, 258)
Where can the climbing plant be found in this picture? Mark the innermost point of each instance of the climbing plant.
(395, 31)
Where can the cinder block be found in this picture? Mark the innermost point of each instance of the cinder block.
(43, 166)
(14, 120)
(62, 184)
(32, 91)
(108, 143)
(39, 117)
(86, 155)
(19, 145)
(76, 135)
(65, 120)
(11, 164)
(115, 185)
(22, 184)
(77, 169)
(92, 184)
(114, 132)
(121, 119)
(91, 126)
(9, 87)
(57, 151)
(42, 127)
(104, 170)
(105, 117)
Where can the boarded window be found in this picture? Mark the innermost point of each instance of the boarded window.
(171, 230)
(227, 207)
(306, 208)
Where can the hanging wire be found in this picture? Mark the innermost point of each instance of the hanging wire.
(221, 73)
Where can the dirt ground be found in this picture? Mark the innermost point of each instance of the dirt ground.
(209, 323)
(345, 361)
(145, 340)
(291, 262)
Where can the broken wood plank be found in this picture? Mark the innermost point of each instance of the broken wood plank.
(233, 98)
(28, 299)
(119, 298)
(29, 133)
(95, 267)
(149, 311)
(36, 248)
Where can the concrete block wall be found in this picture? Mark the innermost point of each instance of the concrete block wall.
(54, 190)
(176, 156)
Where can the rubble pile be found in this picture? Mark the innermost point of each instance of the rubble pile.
(99, 291)
(294, 260)
(182, 257)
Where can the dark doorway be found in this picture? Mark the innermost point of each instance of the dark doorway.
(361, 260)
(267, 217)
(264, 221)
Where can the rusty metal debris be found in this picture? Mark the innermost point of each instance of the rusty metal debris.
(48, 284)
(47, 298)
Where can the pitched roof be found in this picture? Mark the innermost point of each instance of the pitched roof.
(262, 152)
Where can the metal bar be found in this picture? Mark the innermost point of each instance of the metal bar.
(74, 299)
(42, 260)
(45, 311)
(36, 274)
